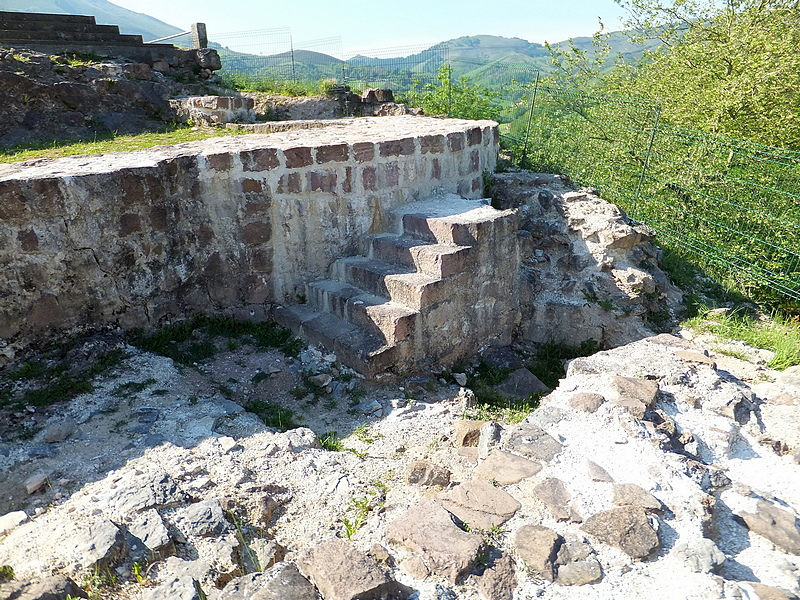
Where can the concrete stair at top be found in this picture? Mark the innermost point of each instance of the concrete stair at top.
(25, 29)
(384, 309)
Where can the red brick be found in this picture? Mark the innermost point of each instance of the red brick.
(369, 178)
(45, 312)
(433, 144)
(255, 207)
(251, 186)
(28, 240)
(159, 218)
(404, 147)
(12, 201)
(260, 260)
(324, 181)
(436, 170)
(257, 233)
(337, 153)
(132, 187)
(256, 291)
(262, 159)
(48, 195)
(219, 162)
(455, 141)
(477, 184)
(290, 183)
(474, 136)
(297, 157)
(364, 151)
(205, 235)
(129, 223)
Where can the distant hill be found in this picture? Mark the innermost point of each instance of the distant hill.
(105, 13)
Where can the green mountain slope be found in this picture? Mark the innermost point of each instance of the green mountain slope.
(105, 13)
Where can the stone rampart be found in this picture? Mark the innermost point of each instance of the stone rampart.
(236, 223)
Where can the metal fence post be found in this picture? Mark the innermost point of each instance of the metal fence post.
(530, 119)
(646, 164)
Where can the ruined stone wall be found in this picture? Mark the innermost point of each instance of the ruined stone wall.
(140, 238)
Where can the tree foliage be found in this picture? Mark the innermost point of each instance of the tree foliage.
(461, 98)
(730, 68)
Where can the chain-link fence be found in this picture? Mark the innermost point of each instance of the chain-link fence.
(733, 204)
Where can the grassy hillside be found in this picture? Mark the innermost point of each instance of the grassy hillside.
(105, 13)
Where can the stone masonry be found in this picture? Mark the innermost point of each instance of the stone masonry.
(231, 224)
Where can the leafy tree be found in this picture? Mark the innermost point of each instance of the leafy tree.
(731, 68)
(461, 98)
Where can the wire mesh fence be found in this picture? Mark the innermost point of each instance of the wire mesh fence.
(733, 204)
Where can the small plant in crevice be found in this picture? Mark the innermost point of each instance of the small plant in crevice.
(548, 362)
(361, 507)
(272, 414)
(6, 573)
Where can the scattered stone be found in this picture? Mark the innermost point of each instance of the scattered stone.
(776, 524)
(341, 572)
(553, 493)
(538, 547)
(531, 441)
(369, 407)
(381, 555)
(695, 357)
(322, 380)
(175, 588)
(266, 552)
(503, 358)
(148, 414)
(765, 592)
(634, 395)
(479, 504)
(148, 527)
(467, 433)
(429, 531)
(202, 518)
(421, 472)
(35, 482)
(460, 378)
(598, 473)
(626, 528)
(302, 438)
(137, 491)
(581, 572)
(630, 494)
(506, 468)
(700, 556)
(586, 401)
(56, 587)
(499, 579)
(280, 582)
(10, 520)
(59, 430)
(521, 384)
(489, 438)
(466, 399)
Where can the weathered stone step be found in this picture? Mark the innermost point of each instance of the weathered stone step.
(13, 16)
(358, 349)
(68, 36)
(400, 284)
(439, 260)
(449, 220)
(391, 321)
(44, 25)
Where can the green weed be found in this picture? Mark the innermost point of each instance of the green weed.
(6, 573)
(779, 334)
(273, 415)
(131, 388)
(330, 441)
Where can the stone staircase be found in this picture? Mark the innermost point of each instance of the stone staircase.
(22, 29)
(414, 295)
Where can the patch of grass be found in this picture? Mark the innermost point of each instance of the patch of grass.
(362, 434)
(330, 441)
(273, 415)
(548, 363)
(260, 84)
(780, 334)
(258, 378)
(131, 388)
(6, 573)
(25, 432)
(110, 142)
(29, 370)
(190, 342)
(503, 410)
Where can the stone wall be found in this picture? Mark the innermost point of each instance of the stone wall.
(139, 239)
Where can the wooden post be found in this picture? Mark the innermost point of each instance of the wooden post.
(199, 35)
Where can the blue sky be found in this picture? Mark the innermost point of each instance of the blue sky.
(386, 23)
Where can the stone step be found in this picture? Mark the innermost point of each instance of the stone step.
(77, 26)
(392, 322)
(448, 220)
(438, 260)
(46, 37)
(356, 348)
(13, 16)
(400, 284)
